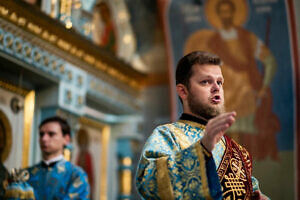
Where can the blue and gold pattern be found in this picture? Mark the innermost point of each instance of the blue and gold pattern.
(63, 180)
(16, 187)
(173, 164)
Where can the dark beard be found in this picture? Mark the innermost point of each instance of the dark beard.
(203, 110)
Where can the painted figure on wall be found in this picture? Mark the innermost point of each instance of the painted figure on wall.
(84, 158)
(247, 87)
(105, 32)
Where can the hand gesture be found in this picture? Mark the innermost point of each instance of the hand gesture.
(216, 128)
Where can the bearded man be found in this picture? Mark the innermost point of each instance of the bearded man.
(192, 158)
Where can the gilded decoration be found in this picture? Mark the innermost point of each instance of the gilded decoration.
(126, 176)
(28, 119)
(28, 116)
(20, 16)
(43, 60)
(5, 137)
(13, 88)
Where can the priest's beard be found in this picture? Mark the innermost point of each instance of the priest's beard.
(204, 110)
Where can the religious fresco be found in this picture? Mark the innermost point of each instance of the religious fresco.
(247, 90)
(246, 37)
(90, 153)
(104, 32)
(253, 38)
(84, 157)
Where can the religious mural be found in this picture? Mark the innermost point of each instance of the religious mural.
(253, 40)
(87, 151)
(107, 24)
(247, 91)
(104, 32)
(84, 158)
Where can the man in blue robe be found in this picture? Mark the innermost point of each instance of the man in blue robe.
(192, 158)
(54, 177)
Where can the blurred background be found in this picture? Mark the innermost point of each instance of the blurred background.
(107, 66)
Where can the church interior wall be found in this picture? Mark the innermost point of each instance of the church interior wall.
(64, 88)
(130, 114)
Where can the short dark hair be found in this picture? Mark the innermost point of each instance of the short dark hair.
(65, 128)
(184, 67)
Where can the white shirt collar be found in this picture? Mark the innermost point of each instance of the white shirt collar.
(55, 159)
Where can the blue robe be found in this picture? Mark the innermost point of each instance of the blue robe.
(174, 164)
(61, 180)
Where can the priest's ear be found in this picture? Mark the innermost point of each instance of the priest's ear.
(182, 91)
(67, 139)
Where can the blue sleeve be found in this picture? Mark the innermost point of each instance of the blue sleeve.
(79, 187)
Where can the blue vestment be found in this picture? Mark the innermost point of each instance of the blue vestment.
(60, 180)
(174, 165)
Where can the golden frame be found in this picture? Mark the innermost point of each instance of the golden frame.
(29, 104)
(28, 119)
(105, 137)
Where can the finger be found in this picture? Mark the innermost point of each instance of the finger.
(221, 123)
(223, 116)
(225, 119)
(216, 129)
(233, 113)
(220, 130)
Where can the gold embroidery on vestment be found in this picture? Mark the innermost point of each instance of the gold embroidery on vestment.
(165, 190)
(202, 161)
